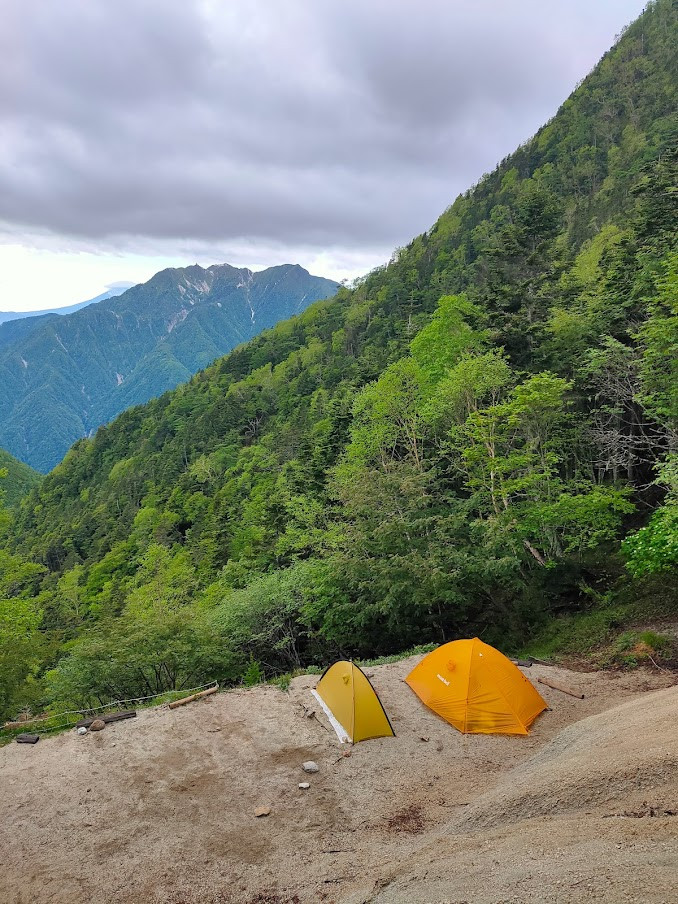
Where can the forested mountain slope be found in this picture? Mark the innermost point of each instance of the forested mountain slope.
(18, 479)
(457, 445)
(63, 376)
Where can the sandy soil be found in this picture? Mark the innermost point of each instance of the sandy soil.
(160, 810)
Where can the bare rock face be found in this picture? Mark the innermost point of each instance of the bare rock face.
(97, 725)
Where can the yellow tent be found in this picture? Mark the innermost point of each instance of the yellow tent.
(476, 688)
(351, 704)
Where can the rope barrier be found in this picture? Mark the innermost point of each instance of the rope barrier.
(96, 709)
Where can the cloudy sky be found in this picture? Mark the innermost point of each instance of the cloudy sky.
(139, 134)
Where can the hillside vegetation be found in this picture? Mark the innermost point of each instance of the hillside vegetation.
(457, 445)
(17, 479)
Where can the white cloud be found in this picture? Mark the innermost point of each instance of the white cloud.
(332, 131)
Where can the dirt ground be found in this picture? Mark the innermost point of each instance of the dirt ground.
(160, 809)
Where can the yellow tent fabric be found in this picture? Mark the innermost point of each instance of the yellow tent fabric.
(476, 688)
(352, 704)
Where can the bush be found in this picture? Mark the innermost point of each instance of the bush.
(253, 674)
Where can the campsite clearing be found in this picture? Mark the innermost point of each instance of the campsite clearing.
(160, 809)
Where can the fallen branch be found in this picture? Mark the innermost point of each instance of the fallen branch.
(656, 664)
(559, 687)
(109, 717)
(184, 700)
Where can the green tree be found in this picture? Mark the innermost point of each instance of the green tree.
(21, 644)
(654, 548)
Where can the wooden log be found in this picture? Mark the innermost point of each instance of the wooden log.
(109, 717)
(523, 663)
(199, 696)
(118, 717)
(559, 687)
(27, 738)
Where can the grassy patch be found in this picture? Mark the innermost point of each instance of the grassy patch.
(612, 633)
(633, 648)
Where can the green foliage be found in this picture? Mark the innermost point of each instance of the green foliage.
(449, 335)
(654, 548)
(17, 479)
(659, 342)
(252, 674)
(283, 682)
(592, 632)
(264, 621)
(21, 644)
(456, 445)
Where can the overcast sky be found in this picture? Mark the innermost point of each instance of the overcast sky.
(139, 134)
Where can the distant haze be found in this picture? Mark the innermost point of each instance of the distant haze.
(110, 292)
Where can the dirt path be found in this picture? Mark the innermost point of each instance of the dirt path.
(160, 809)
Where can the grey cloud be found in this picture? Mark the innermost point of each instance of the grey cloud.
(335, 123)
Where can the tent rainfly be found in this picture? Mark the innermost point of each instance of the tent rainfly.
(476, 688)
(351, 704)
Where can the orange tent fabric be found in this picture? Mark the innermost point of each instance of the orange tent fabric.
(476, 688)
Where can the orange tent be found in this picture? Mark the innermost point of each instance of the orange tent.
(476, 688)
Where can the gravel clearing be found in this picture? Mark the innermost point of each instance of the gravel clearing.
(160, 810)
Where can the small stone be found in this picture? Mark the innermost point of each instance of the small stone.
(262, 811)
(82, 730)
(439, 746)
(422, 738)
(310, 766)
(304, 786)
(97, 725)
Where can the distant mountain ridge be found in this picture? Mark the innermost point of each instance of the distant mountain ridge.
(64, 376)
(111, 292)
